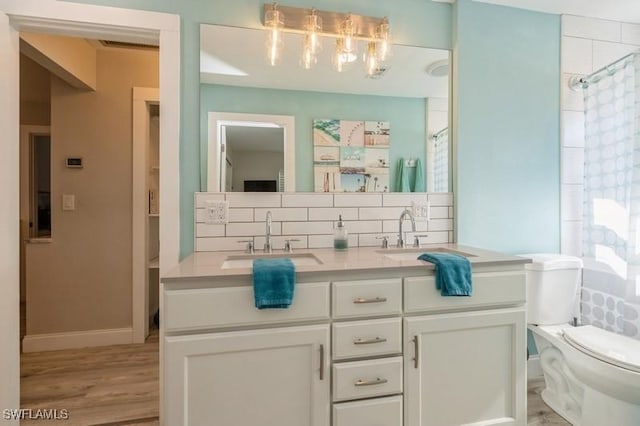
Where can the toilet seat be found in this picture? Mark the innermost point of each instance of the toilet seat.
(621, 351)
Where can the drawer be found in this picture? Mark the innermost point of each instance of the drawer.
(195, 309)
(385, 411)
(366, 338)
(364, 379)
(367, 297)
(489, 289)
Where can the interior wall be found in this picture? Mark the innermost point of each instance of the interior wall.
(406, 116)
(82, 279)
(255, 165)
(508, 134)
(35, 93)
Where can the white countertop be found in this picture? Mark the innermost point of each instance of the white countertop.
(209, 264)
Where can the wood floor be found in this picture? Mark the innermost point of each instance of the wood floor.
(118, 386)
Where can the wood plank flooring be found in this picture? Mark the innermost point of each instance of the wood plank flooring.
(118, 386)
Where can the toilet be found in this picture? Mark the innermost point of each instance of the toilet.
(592, 376)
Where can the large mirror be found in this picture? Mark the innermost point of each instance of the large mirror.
(410, 96)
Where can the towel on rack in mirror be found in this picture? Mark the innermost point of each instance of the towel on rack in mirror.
(418, 180)
(402, 177)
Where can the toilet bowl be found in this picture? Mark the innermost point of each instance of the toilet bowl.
(592, 376)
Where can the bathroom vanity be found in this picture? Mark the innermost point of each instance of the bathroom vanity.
(367, 340)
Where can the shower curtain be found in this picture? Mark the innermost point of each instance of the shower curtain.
(611, 240)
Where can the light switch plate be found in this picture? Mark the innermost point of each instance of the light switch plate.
(421, 211)
(68, 202)
(216, 212)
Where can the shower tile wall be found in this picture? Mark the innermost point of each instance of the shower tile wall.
(587, 45)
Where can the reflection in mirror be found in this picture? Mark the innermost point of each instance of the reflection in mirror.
(412, 94)
(252, 153)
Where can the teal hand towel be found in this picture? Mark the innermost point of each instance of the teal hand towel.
(418, 185)
(273, 283)
(402, 178)
(453, 273)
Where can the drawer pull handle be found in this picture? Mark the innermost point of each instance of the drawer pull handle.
(369, 341)
(416, 348)
(321, 362)
(377, 381)
(361, 300)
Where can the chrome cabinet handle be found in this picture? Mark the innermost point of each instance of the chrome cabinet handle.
(369, 341)
(377, 381)
(361, 300)
(416, 348)
(321, 362)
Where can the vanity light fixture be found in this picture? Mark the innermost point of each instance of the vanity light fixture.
(348, 29)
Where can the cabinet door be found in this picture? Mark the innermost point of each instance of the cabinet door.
(466, 368)
(271, 377)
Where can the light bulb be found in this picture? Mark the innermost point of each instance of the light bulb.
(308, 58)
(371, 59)
(348, 34)
(383, 39)
(274, 21)
(313, 28)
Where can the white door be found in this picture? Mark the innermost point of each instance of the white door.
(271, 377)
(470, 368)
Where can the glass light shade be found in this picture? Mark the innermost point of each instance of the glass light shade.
(312, 28)
(308, 57)
(383, 40)
(274, 22)
(371, 62)
(340, 60)
(348, 35)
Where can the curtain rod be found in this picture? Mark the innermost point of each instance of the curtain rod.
(578, 82)
(439, 134)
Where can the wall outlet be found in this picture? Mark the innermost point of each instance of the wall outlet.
(68, 202)
(216, 212)
(421, 211)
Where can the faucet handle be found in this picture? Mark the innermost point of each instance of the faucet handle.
(250, 248)
(287, 244)
(385, 241)
(416, 239)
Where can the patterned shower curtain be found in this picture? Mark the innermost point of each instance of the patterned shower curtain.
(611, 239)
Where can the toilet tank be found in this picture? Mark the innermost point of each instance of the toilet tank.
(552, 287)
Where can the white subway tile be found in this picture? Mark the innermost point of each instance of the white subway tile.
(451, 240)
(572, 100)
(307, 200)
(254, 199)
(373, 240)
(577, 55)
(219, 244)
(206, 230)
(392, 226)
(331, 213)
(440, 212)
(379, 213)
(251, 229)
(200, 215)
(597, 29)
(362, 226)
(572, 165)
(450, 212)
(326, 241)
(441, 199)
(309, 228)
(605, 53)
(357, 200)
(571, 206)
(203, 197)
(403, 200)
(631, 34)
(277, 242)
(282, 215)
(571, 237)
(440, 225)
(437, 237)
(240, 215)
(573, 128)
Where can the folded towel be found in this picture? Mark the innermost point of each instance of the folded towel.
(418, 181)
(453, 273)
(273, 283)
(402, 178)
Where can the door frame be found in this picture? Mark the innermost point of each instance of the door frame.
(91, 21)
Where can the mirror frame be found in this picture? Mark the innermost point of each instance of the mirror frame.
(218, 119)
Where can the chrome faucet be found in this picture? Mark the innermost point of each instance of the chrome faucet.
(406, 212)
(267, 242)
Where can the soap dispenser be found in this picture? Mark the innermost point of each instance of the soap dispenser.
(340, 236)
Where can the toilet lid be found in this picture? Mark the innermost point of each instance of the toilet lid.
(615, 349)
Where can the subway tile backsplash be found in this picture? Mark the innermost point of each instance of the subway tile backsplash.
(310, 218)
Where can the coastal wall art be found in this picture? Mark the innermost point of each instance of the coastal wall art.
(350, 156)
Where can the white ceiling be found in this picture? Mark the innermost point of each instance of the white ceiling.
(615, 10)
(225, 51)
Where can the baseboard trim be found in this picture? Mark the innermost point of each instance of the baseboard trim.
(76, 339)
(534, 369)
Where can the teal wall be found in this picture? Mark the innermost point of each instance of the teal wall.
(507, 134)
(406, 117)
(413, 22)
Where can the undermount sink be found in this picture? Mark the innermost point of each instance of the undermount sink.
(246, 261)
(413, 253)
